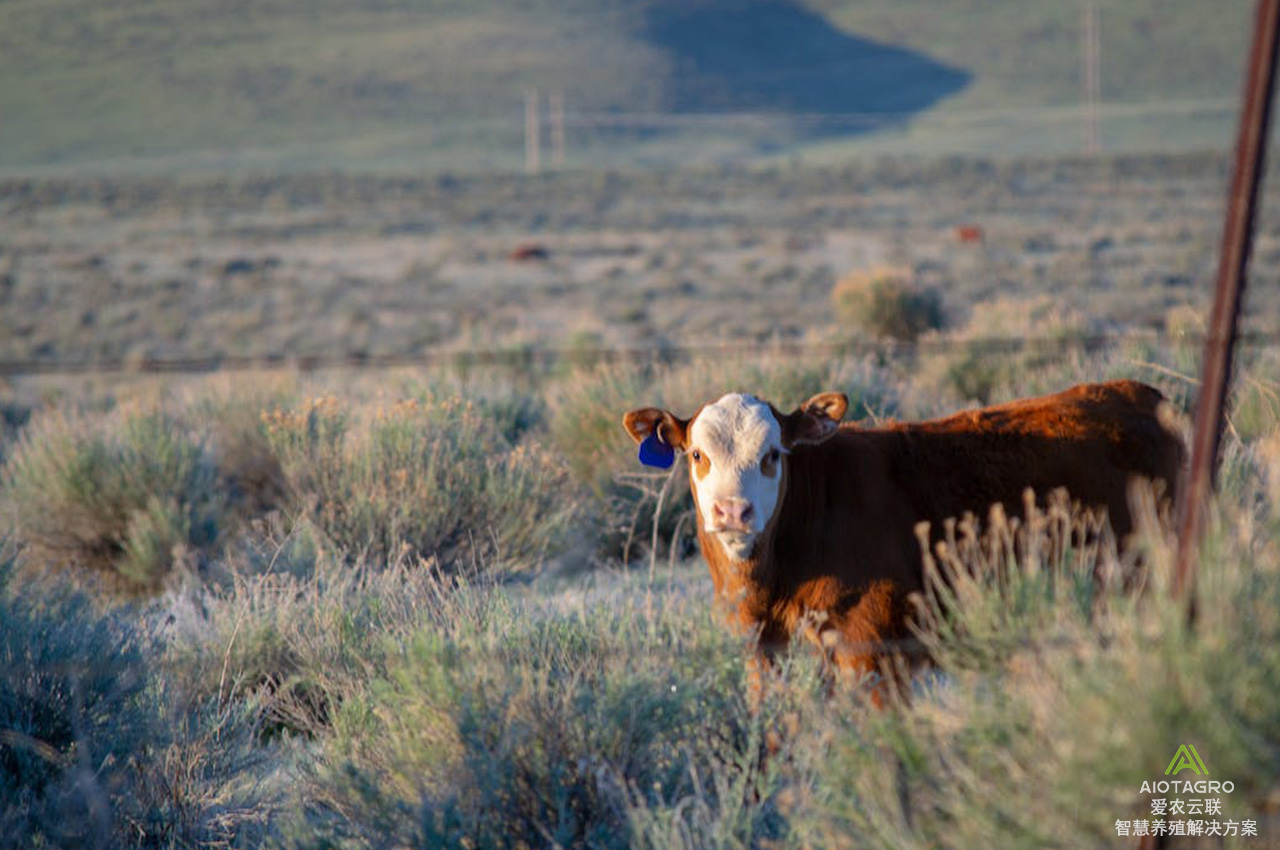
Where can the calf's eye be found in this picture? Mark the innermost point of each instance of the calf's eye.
(697, 456)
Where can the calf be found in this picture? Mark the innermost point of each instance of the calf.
(799, 515)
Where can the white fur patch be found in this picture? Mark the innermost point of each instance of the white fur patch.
(734, 435)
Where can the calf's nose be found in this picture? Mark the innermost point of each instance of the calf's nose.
(735, 514)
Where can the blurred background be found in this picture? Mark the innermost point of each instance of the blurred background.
(199, 183)
(155, 86)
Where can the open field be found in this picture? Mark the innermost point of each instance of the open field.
(438, 606)
(336, 266)
(159, 87)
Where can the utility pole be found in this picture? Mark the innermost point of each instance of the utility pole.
(1091, 74)
(532, 133)
(555, 104)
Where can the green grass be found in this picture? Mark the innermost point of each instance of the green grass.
(1028, 54)
(332, 684)
(150, 85)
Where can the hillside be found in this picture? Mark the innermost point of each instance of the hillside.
(393, 83)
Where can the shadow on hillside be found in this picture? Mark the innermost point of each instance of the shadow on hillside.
(776, 56)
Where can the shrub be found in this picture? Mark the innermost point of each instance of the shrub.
(96, 750)
(130, 494)
(68, 676)
(1255, 399)
(13, 416)
(496, 726)
(1269, 462)
(1062, 697)
(586, 413)
(294, 646)
(1006, 342)
(886, 302)
(437, 477)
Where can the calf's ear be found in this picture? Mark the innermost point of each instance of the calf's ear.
(671, 429)
(815, 420)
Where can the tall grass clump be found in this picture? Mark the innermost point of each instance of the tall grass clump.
(889, 303)
(1063, 696)
(434, 477)
(132, 494)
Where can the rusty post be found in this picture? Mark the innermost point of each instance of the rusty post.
(1237, 237)
(1219, 344)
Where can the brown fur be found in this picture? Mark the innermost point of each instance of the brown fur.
(842, 540)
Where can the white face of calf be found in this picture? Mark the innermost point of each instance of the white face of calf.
(736, 448)
(735, 458)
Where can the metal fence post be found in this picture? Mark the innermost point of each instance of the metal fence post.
(1237, 238)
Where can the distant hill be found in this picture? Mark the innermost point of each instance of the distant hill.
(779, 56)
(176, 84)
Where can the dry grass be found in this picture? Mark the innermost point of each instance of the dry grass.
(889, 303)
(321, 696)
(134, 495)
(435, 477)
(376, 648)
(336, 266)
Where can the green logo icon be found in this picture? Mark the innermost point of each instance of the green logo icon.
(1186, 757)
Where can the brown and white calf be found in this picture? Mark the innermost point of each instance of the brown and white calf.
(799, 515)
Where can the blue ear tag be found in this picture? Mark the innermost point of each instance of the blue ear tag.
(654, 452)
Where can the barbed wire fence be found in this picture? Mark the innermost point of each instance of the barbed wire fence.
(549, 357)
